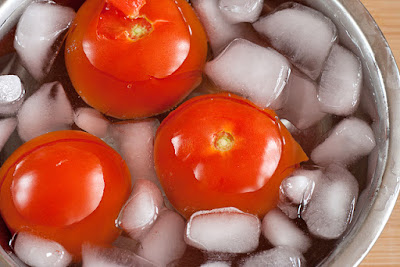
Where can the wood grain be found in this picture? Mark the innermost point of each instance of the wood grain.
(386, 251)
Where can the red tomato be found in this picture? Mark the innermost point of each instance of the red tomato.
(66, 186)
(222, 151)
(135, 59)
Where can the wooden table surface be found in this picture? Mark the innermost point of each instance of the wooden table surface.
(386, 251)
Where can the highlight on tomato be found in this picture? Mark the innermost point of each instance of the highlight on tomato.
(138, 58)
(223, 151)
(66, 186)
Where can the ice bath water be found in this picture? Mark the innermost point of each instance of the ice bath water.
(303, 85)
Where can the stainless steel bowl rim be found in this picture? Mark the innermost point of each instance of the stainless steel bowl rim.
(374, 49)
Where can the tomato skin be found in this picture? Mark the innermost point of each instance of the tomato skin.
(246, 173)
(141, 94)
(67, 186)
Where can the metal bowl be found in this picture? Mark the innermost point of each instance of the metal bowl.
(381, 100)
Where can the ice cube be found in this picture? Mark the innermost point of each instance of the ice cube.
(332, 205)
(291, 210)
(91, 121)
(39, 252)
(302, 34)
(296, 191)
(7, 126)
(279, 230)
(252, 71)
(219, 31)
(223, 230)
(351, 139)
(142, 209)
(302, 107)
(38, 30)
(341, 81)
(48, 109)
(276, 257)
(135, 142)
(236, 11)
(11, 94)
(93, 256)
(164, 242)
(216, 264)
(299, 187)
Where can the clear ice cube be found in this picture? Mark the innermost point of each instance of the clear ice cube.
(255, 72)
(226, 230)
(91, 121)
(303, 34)
(164, 242)
(351, 139)
(12, 94)
(302, 107)
(220, 32)
(279, 230)
(216, 264)
(142, 209)
(93, 256)
(341, 81)
(134, 140)
(332, 204)
(40, 252)
(276, 257)
(47, 110)
(236, 11)
(37, 34)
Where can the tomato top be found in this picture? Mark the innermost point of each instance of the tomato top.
(221, 150)
(155, 33)
(67, 186)
(131, 59)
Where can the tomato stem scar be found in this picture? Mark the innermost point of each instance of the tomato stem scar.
(224, 141)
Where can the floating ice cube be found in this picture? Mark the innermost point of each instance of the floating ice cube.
(351, 139)
(164, 242)
(341, 81)
(250, 70)
(296, 191)
(299, 187)
(48, 109)
(302, 107)
(91, 121)
(281, 231)
(332, 205)
(39, 252)
(216, 264)
(37, 36)
(223, 230)
(135, 142)
(11, 94)
(219, 31)
(276, 257)
(302, 34)
(236, 11)
(291, 210)
(7, 126)
(142, 209)
(93, 256)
